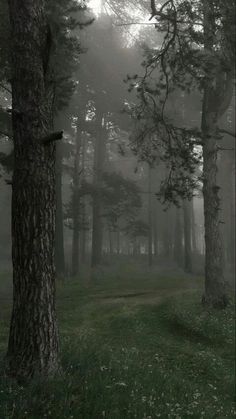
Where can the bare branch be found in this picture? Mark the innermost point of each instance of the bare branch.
(5, 134)
(14, 111)
(135, 23)
(228, 132)
(2, 86)
(55, 136)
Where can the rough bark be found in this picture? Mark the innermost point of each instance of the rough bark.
(215, 288)
(59, 236)
(232, 220)
(33, 337)
(214, 103)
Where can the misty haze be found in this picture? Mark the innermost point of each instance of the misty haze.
(117, 209)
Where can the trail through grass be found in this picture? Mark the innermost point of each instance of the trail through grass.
(134, 344)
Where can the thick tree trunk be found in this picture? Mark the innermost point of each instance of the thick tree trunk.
(33, 338)
(59, 237)
(187, 237)
(215, 287)
(232, 220)
(216, 99)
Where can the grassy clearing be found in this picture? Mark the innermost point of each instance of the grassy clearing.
(133, 345)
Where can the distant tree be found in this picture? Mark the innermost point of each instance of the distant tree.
(136, 230)
(121, 199)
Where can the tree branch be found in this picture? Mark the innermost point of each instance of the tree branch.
(5, 134)
(55, 136)
(5, 88)
(159, 13)
(228, 132)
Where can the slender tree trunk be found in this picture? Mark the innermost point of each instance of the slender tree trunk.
(76, 206)
(166, 238)
(178, 239)
(150, 217)
(155, 237)
(187, 237)
(110, 242)
(83, 234)
(33, 338)
(118, 240)
(193, 230)
(97, 228)
(59, 237)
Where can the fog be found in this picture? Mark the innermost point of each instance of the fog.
(101, 178)
(117, 209)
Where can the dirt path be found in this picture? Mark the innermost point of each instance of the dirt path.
(143, 296)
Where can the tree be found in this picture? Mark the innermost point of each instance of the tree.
(187, 237)
(195, 52)
(33, 339)
(76, 203)
(65, 19)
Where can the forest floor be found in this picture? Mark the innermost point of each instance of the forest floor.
(135, 343)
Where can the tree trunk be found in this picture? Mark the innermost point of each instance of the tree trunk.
(232, 220)
(33, 338)
(59, 237)
(214, 106)
(118, 241)
(166, 238)
(193, 230)
(111, 249)
(150, 216)
(155, 237)
(187, 237)
(215, 287)
(83, 234)
(178, 239)
(97, 228)
(76, 206)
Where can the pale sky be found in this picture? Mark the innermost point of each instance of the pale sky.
(133, 30)
(95, 5)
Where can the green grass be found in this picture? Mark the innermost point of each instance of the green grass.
(133, 345)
